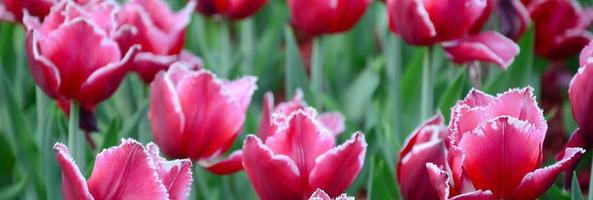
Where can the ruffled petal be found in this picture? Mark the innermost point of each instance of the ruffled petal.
(272, 176)
(73, 183)
(176, 175)
(580, 94)
(242, 90)
(586, 54)
(302, 138)
(500, 152)
(475, 195)
(489, 47)
(535, 183)
(319, 194)
(439, 179)
(334, 121)
(337, 168)
(422, 134)
(230, 165)
(126, 172)
(413, 179)
(166, 115)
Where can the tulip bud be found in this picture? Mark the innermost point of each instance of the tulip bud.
(128, 171)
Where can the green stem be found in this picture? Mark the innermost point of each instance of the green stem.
(317, 70)
(76, 139)
(247, 45)
(392, 54)
(427, 91)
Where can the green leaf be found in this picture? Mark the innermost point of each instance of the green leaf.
(12, 191)
(381, 184)
(410, 96)
(590, 196)
(111, 137)
(6, 160)
(576, 193)
(359, 93)
(452, 94)
(295, 71)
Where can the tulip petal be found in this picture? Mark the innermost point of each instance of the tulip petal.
(242, 9)
(73, 183)
(337, 168)
(411, 21)
(303, 139)
(319, 194)
(413, 178)
(475, 195)
(5, 14)
(420, 135)
(581, 95)
(440, 180)
(213, 116)
(334, 121)
(535, 183)
(166, 115)
(232, 164)
(441, 12)
(176, 175)
(489, 47)
(272, 176)
(126, 172)
(500, 152)
(265, 125)
(242, 90)
(147, 64)
(586, 54)
(45, 73)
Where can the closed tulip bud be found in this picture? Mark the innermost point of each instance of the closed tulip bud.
(311, 18)
(496, 149)
(425, 144)
(300, 157)
(128, 171)
(195, 115)
(72, 54)
(231, 9)
(160, 31)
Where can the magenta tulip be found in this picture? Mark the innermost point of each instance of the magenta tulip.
(160, 31)
(193, 114)
(231, 9)
(561, 28)
(12, 10)
(513, 17)
(495, 149)
(128, 171)
(321, 195)
(425, 144)
(491, 47)
(300, 157)
(311, 18)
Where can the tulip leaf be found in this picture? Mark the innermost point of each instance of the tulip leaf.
(12, 191)
(295, 71)
(590, 196)
(382, 184)
(111, 136)
(359, 93)
(452, 94)
(411, 92)
(30, 161)
(576, 193)
(6, 160)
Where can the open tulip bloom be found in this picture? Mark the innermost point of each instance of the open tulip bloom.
(495, 149)
(128, 171)
(300, 157)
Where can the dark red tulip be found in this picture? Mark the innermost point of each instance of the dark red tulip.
(311, 18)
(128, 171)
(495, 149)
(160, 31)
(424, 145)
(321, 195)
(489, 47)
(72, 55)
(12, 10)
(333, 121)
(426, 22)
(193, 114)
(301, 157)
(513, 17)
(231, 9)
(560, 28)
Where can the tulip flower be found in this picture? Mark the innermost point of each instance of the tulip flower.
(489, 47)
(425, 144)
(333, 121)
(128, 171)
(513, 17)
(12, 10)
(231, 9)
(160, 31)
(311, 18)
(495, 149)
(72, 55)
(195, 115)
(321, 195)
(300, 157)
(560, 28)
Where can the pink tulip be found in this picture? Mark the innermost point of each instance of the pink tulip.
(333, 121)
(160, 31)
(560, 28)
(72, 54)
(311, 18)
(193, 114)
(231, 9)
(425, 144)
(128, 171)
(489, 47)
(495, 149)
(300, 157)
(321, 195)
